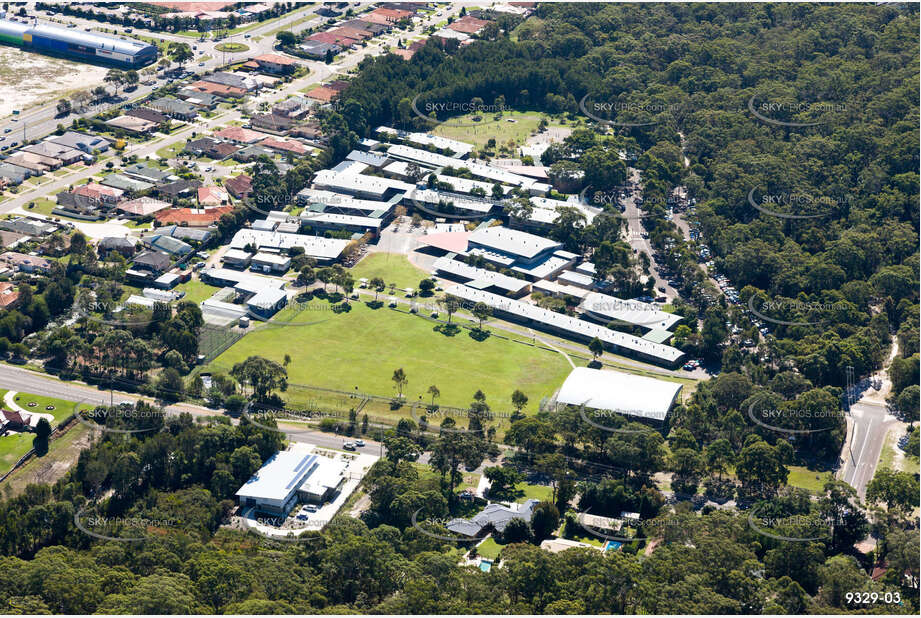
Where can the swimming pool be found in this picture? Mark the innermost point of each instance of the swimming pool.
(613, 545)
(485, 565)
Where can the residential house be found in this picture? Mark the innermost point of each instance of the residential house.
(201, 100)
(293, 107)
(39, 164)
(331, 38)
(126, 184)
(278, 125)
(319, 50)
(65, 154)
(168, 244)
(174, 108)
(251, 153)
(212, 196)
(149, 115)
(28, 226)
(468, 25)
(239, 135)
(153, 262)
(235, 80)
(99, 195)
(124, 246)
(25, 263)
(9, 297)
(148, 174)
(285, 146)
(142, 207)
(132, 124)
(89, 144)
(239, 186)
(175, 190)
(212, 148)
(276, 63)
(192, 217)
(219, 90)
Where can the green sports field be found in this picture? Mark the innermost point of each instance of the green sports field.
(364, 346)
(391, 267)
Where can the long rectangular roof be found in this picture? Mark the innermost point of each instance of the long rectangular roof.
(513, 242)
(630, 311)
(471, 273)
(91, 39)
(564, 322)
(624, 393)
(374, 185)
(314, 246)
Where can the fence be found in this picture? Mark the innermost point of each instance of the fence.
(214, 340)
(59, 429)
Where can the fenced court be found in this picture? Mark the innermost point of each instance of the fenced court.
(213, 340)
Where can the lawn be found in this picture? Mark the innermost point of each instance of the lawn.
(489, 549)
(811, 480)
(538, 492)
(43, 206)
(363, 347)
(391, 267)
(464, 128)
(196, 291)
(170, 150)
(62, 454)
(231, 47)
(13, 447)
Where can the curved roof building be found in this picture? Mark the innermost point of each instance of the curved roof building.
(77, 44)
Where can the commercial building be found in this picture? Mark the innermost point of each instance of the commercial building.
(358, 185)
(292, 476)
(622, 393)
(77, 44)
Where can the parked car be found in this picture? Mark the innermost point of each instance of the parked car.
(359, 442)
(349, 446)
(311, 508)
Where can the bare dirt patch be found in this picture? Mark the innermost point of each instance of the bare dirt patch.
(29, 78)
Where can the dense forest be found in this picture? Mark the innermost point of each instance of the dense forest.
(839, 86)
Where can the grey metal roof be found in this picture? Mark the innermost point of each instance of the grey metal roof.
(131, 47)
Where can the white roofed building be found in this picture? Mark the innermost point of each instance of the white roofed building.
(622, 393)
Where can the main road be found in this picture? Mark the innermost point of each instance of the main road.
(28, 381)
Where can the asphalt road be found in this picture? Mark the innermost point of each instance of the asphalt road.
(24, 380)
(868, 426)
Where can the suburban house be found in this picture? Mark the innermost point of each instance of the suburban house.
(174, 108)
(276, 63)
(81, 141)
(239, 186)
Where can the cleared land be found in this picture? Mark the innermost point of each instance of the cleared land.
(12, 447)
(364, 346)
(514, 126)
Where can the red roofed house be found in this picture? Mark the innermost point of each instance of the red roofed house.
(352, 33)
(405, 54)
(8, 296)
(219, 90)
(192, 217)
(276, 63)
(239, 186)
(323, 94)
(15, 420)
(291, 146)
(331, 38)
(212, 196)
(99, 194)
(386, 17)
(468, 25)
(240, 135)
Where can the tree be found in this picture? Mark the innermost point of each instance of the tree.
(544, 521)
(482, 312)
(180, 53)
(897, 490)
(115, 77)
(400, 448)
(64, 107)
(502, 481)
(519, 401)
(451, 304)
(131, 78)
(760, 469)
(43, 429)
(718, 456)
(262, 374)
(399, 381)
(434, 392)
(377, 284)
(426, 286)
(516, 531)
(286, 38)
(169, 385)
(596, 347)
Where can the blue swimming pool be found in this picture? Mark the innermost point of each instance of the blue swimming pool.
(485, 565)
(613, 545)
